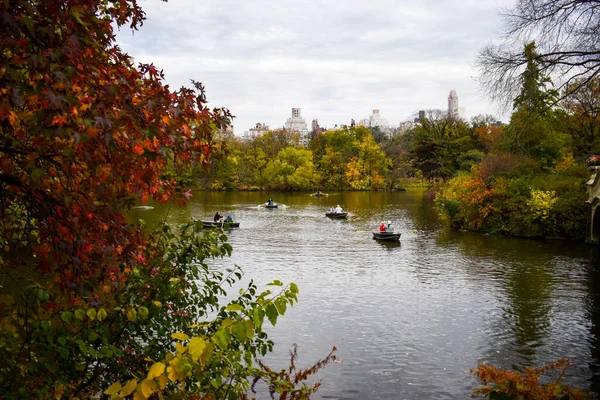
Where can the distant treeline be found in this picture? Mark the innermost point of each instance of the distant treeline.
(526, 178)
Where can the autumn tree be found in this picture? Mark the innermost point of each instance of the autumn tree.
(365, 170)
(89, 303)
(486, 132)
(331, 152)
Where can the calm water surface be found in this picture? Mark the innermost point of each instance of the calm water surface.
(409, 320)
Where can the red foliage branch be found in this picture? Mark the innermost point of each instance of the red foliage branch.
(83, 134)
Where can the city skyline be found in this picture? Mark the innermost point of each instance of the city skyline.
(298, 124)
(336, 62)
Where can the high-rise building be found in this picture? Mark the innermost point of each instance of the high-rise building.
(454, 111)
(297, 124)
(453, 104)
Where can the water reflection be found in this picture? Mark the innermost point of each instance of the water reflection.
(539, 287)
(388, 245)
(409, 318)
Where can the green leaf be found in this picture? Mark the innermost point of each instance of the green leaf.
(143, 312)
(294, 288)
(91, 313)
(67, 316)
(272, 313)
(227, 322)
(234, 307)
(222, 339)
(275, 283)
(258, 317)
(239, 331)
(281, 305)
(62, 340)
(82, 346)
(80, 314)
(249, 329)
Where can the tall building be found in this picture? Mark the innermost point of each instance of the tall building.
(297, 124)
(454, 111)
(375, 120)
(453, 104)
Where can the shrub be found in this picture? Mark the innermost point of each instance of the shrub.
(513, 385)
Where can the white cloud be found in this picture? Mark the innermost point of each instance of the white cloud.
(335, 60)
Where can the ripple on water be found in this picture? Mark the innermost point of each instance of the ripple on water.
(410, 320)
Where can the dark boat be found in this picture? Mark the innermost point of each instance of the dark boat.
(213, 224)
(274, 205)
(387, 236)
(335, 215)
(320, 194)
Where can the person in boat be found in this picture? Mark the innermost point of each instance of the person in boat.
(217, 217)
(338, 209)
(228, 218)
(382, 227)
(331, 209)
(270, 202)
(389, 226)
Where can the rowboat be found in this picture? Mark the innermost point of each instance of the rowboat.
(335, 215)
(387, 236)
(274, 205)
(213, 224)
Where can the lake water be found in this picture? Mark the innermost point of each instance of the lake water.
(411, 319)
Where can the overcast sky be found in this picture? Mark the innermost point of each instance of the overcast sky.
(336, 59)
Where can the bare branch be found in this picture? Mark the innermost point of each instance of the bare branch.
(566, 33)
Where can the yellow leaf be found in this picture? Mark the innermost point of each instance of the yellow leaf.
(128, 388)
(138, 394)
(180, 336)
(113, 389)
(162, 382)
(148, 387)
(132, 315)
(196, 347)
(101, 314)
(180, 348)
(156, 370)
(172, 374)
